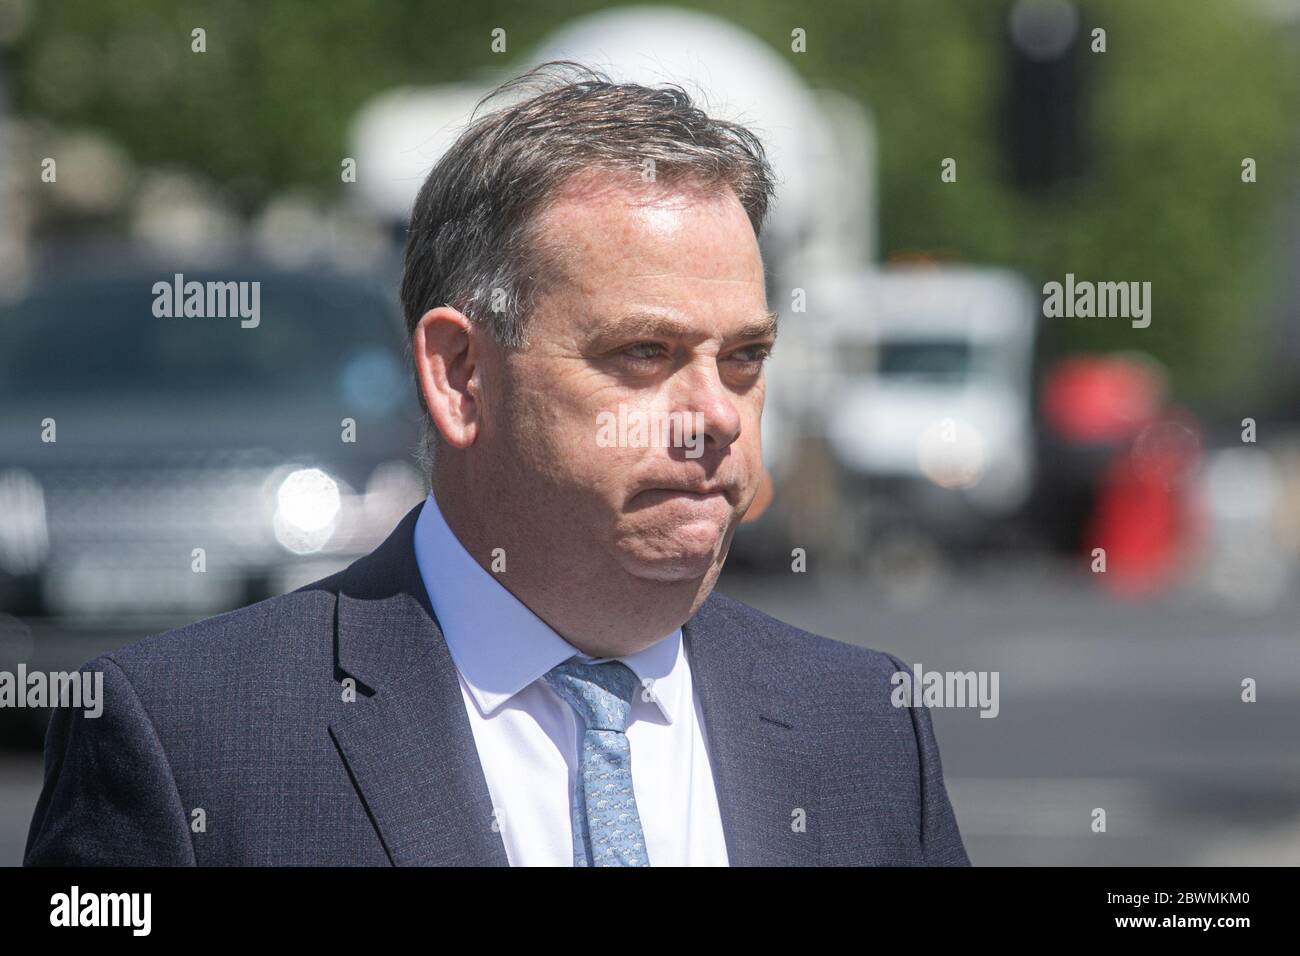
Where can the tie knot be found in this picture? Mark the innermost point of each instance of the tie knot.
(600, 693)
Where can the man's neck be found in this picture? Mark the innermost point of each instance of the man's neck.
(589, 601)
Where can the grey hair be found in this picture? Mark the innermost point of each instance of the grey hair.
(470, 244)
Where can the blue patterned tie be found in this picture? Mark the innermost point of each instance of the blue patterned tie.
(606, 825)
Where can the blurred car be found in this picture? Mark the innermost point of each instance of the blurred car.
(932, 416)
(197, 463)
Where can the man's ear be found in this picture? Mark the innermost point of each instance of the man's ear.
(447, 364)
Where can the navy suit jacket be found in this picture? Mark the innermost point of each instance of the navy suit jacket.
(230, 741)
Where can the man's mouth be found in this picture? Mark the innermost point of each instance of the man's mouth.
(690, 492)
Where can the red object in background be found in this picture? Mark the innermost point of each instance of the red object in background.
(1143, 519)
(1141, 516)
(1102, 399)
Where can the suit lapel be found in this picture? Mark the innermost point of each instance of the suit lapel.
(764, 767)
(408, 745)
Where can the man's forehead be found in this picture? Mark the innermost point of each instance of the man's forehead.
(625, 249)
(615, 250)
(601, 214)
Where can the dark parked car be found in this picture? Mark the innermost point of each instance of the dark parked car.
(155, 469)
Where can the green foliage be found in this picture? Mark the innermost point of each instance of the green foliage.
(1186, 89)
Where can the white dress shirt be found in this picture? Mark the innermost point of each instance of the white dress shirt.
(528, 737)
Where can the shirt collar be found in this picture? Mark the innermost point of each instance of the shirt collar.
(497, 643)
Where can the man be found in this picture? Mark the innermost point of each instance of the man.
(533, 669)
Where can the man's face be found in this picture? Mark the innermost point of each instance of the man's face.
(660, 316)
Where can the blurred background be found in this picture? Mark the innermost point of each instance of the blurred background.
(1106, 515)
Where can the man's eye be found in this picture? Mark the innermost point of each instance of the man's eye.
(752, 353)
(644, 351)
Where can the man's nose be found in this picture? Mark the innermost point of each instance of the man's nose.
(707, 401)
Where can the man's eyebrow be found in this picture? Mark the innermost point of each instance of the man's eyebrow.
(658, 326)
(763, 329)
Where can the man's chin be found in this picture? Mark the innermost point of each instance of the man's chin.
(682, 544)
(675, 564)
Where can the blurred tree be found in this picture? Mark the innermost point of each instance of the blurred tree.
(1184, 92)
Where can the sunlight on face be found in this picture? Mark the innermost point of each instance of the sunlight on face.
(661, 319)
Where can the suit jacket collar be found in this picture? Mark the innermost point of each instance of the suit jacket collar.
(410, 750)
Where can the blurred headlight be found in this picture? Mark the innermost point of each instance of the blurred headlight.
(308, 504)
(952, 453)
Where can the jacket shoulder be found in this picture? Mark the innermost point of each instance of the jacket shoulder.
(295, 625)
(784, 645)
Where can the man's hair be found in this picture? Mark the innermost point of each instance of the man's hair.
(471, 242)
